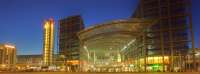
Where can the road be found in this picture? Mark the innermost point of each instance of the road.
(91, 73)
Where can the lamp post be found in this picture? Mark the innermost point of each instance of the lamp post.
(64, 60)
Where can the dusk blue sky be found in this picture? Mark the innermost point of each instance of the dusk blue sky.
(21, 20)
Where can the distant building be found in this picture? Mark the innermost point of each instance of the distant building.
(197, 54)
(7, 56)
(68, 40)
(169, 37)
(48, 44)
(29, 60)
(190, 58)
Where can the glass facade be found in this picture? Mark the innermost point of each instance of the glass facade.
(69, 44)
(103, 47)
(171, 36)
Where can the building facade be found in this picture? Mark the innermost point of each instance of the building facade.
(48, 41)
(68, 40)
(197, 57)
(197, 54)
(166, 42)
(29, 60)
(7, 56)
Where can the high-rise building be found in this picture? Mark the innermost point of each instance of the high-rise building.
(7, 56)
(48, 44)
(68, 40)
(169, 38)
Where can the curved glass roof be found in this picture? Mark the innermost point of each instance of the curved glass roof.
(114, 33)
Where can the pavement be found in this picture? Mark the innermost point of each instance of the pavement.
(95, 73)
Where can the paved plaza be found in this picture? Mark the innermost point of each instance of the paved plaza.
(95, 73)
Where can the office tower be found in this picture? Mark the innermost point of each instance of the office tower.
(7, 56)
(68, 40)
(169, 38)
(48, 41)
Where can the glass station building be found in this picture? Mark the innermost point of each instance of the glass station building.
(157, 38)
(116, 46)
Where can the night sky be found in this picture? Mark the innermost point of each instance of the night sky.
(21, 20)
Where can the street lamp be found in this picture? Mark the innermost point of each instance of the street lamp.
(3, 65)
(63, 57)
